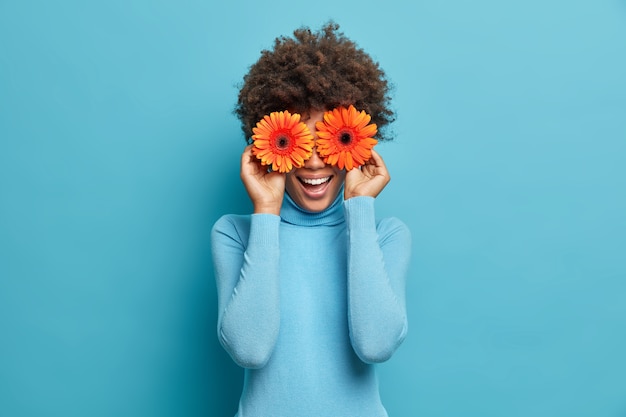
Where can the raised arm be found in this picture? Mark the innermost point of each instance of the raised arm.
(378, 259)
(245, 255)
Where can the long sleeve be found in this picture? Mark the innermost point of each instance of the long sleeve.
(378, 258)
(300, 296)
(246, 261)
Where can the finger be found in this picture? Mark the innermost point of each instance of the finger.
(247, 152)
(250, 165)
(377, 159)
(246, 155)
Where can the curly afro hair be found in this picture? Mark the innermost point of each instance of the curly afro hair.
(314, 71)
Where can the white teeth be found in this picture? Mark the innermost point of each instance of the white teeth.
(315, 181)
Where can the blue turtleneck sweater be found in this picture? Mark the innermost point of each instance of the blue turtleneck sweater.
(308, 302)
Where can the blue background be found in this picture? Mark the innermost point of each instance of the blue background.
(119, 150)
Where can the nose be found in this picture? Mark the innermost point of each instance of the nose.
(315, 161)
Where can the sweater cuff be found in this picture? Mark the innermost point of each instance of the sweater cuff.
(359, 213)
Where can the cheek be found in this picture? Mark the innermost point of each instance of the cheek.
(341, 175)
(289, 179)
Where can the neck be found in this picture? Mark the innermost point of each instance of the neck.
(331, 215)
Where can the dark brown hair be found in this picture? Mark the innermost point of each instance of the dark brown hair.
(314, 71)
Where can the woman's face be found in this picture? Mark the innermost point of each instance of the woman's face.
(314, 186)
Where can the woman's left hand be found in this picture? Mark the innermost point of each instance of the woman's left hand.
(369, 180)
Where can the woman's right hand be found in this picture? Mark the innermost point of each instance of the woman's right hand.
(266, 189)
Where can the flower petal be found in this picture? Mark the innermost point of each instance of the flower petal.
(339, 122)
(281, 140)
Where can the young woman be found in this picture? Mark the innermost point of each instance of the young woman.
(311, 286)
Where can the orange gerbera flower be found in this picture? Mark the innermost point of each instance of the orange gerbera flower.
(345, 138)
(282, 141)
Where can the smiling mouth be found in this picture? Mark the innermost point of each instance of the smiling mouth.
(314, 181)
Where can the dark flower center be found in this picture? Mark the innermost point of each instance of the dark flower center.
(345, 138)
(282, 142)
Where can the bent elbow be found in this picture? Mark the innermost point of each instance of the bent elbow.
(247, 355)
(254, 359)
(380, 348)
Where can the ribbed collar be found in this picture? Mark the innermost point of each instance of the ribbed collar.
(293, 214)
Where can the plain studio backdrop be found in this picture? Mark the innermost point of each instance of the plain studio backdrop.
(119, 150)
